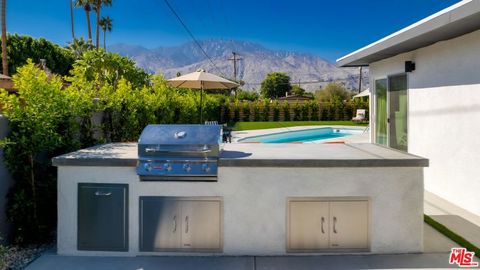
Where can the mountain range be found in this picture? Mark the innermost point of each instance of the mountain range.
(311, 71)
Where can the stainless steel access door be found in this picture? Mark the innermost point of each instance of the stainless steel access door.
(160, 224)
(180, 224)
(308, 227)
(102, 217)
(201, 224)
(349, 224)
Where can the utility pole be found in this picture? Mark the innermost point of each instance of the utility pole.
(360, 80)
(235, 58)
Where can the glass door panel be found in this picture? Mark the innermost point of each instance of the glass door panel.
(381, 112)
(397, 89)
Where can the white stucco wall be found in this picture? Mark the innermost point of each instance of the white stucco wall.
(443, 115)
(254, 201)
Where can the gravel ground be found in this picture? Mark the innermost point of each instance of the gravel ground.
(17, 258)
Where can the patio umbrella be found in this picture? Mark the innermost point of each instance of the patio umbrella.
(364, 93)
(201, 80)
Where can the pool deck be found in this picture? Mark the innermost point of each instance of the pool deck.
(357, 138)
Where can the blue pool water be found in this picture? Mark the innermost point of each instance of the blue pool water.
(306, 135)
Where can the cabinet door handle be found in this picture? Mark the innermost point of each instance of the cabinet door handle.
(186, 224)
(323, 221)
(99, 193)
(334, 223)
(174, 223)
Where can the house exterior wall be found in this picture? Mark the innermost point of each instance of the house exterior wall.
(255, 204)
(443, 115)
(5, 182)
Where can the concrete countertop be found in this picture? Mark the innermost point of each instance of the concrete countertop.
(259, 155)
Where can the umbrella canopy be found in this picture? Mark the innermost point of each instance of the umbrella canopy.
(202, 80)
(364, 93)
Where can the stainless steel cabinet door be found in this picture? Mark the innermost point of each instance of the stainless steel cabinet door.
(102, 217)
(308, 225)
(349, 224)
(201, 224)
(160, 224)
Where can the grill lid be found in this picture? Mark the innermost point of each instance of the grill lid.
(181, 135)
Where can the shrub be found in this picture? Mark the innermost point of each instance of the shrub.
(276, 111)
(236, 112)
(265, 110)
(305, 108)
(286, 111)
(314, 110)
(257, 111)
(21, 48)
(297, 112)
(246, 111)
(225, 112)
(43, 124)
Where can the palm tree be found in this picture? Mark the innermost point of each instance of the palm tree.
(98, 8)
(4, 40)
(87, 6)
(106, 24)
(72, 19)
(79, 45)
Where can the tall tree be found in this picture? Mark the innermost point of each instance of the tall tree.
(275, 85)
(106, 24)
(333, 92)
(87, 6)
(4, 39)
(72, 19)
(98, 11)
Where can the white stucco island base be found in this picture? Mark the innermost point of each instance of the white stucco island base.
(254, 198)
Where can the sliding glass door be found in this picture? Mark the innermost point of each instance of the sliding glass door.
(391, 112)
(397, 90)
(381, 112)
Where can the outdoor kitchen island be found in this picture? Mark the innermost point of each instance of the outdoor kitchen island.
(269, 199)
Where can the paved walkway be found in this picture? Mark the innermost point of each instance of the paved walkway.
(436, 254)
(453, 217)
(410, 261)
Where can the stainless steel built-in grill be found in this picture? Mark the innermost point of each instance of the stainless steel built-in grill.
(179, 152)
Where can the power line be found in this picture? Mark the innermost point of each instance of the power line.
(193, 37)
(304, 82)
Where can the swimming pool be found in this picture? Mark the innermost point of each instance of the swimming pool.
(305, 135)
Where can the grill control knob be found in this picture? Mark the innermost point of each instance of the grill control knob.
(206, 168)
(187, 167)
(147, 167)
(167, 167)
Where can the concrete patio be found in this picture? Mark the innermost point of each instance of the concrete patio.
(407, 261)
(436, 256)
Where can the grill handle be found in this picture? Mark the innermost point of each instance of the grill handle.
(156, 150)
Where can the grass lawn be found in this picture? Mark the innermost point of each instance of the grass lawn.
(266, 125)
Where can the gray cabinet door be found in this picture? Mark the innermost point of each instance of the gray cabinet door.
(308, 225)
(160, 224)
(349, 225)
(102, 217)
(201, 224)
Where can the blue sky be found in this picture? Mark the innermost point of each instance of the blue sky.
(329, 29)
